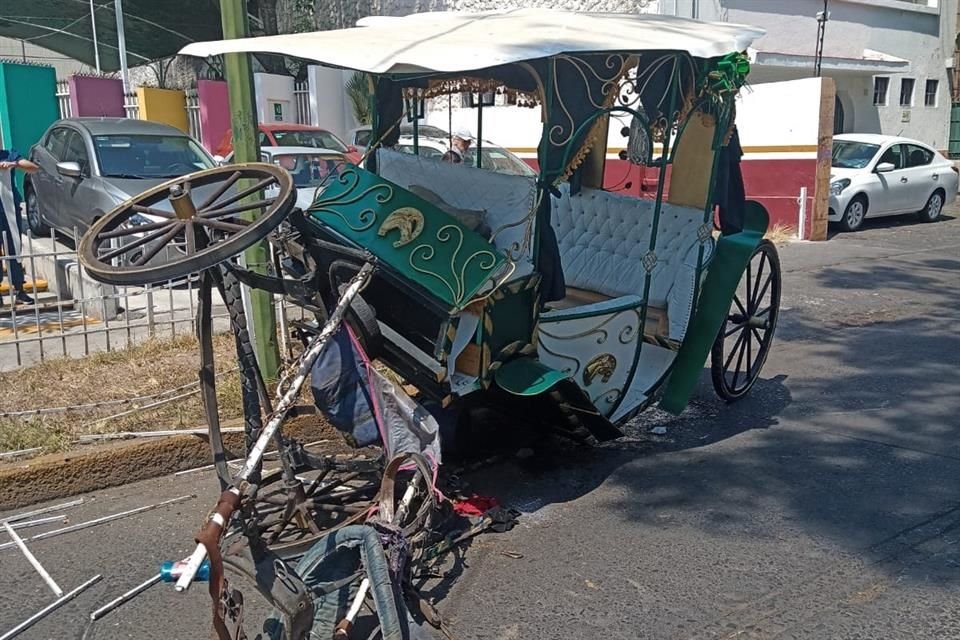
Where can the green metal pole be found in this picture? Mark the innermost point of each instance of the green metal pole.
(239, 74)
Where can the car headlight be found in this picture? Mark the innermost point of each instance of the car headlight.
(837, 187)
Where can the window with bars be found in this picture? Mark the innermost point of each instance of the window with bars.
(880, 86)
(906, 92)
(930, 93)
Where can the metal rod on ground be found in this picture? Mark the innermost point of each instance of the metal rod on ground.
(26, 524)
(309, 356)
(37, 512)
(129, 595)
(124, 435)
(40, 615)
(103, 520)
(20, 453)
(32, 559)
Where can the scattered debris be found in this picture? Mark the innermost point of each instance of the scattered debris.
(512, 554)
(96, 521)
(37, 512)
(129, 595)
(40, 615)
(658, 431)
(26, 524)
(32, 559)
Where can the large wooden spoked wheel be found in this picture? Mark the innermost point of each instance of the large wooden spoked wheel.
(187, 224)
(744, 341)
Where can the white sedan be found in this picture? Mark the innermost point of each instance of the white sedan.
(875, 175)
(310, 167)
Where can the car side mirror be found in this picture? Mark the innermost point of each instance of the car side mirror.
(69, 169)
(219, 160)
(885, 167)
(351, 148)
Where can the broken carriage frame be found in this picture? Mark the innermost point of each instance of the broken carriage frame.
(338, 242)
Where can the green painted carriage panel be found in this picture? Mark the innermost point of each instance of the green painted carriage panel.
(415, 238)
(723, 276)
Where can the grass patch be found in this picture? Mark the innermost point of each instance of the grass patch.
(146, 369)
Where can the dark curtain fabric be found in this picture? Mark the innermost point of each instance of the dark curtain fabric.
(730, 196)
(389, 98)
(552, 285)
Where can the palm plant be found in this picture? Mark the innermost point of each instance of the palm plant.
(358, 90)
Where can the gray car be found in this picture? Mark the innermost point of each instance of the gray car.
(90, 165)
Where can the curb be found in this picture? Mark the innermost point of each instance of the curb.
(56, 476)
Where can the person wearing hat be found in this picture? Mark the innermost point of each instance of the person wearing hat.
(460, 143)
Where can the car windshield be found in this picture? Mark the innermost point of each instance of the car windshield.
(146, 156)
(848, 154)
(499, 160)
(316, 138)
(310, 170)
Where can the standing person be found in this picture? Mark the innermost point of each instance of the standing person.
(11, 220)
(460, 144)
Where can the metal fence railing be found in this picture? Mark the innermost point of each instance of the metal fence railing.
(193, 113)
(74, 315)
(301, 99)
(131, 104)
(63, 98)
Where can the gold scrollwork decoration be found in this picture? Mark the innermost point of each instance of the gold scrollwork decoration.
(425, 253)
(603, 366)
(383, 193)
(407, 220)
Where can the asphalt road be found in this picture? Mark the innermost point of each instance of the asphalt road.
(825, 505)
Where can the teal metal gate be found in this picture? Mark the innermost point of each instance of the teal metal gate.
(955, 130)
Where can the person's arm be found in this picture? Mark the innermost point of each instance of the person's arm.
(26, 165)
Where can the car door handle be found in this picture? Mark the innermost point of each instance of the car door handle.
(904, 180)
(936, 176)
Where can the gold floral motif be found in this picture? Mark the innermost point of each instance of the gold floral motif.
(602, 365)
(408, 221)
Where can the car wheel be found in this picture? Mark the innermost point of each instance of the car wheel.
(854, 214)
(37, 228)
(931, 212)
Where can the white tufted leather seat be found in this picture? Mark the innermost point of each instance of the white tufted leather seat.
(604, 237)
(503, 199)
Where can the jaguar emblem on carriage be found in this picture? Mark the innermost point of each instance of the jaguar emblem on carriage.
(603, 365)
(408, 221)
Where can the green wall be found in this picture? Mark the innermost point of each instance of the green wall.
(28, 104)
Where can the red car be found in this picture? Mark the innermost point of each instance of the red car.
(286, 134)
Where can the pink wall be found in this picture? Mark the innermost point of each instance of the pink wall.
(96, 97)
(214, 113)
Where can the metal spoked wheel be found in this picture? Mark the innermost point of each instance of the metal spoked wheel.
(187, 224)
(744, 341)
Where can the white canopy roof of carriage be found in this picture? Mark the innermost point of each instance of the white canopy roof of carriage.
(459, 41)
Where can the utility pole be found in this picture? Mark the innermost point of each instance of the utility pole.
(122, 46)
(93, 30)
(822, 18)
(262, 319)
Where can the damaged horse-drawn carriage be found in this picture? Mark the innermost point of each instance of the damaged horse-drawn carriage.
(549, 301)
